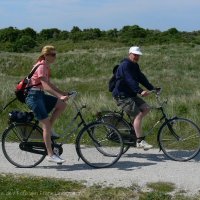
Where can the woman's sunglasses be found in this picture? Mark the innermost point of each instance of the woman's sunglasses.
(51, 54)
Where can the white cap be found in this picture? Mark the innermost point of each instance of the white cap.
(135, 50)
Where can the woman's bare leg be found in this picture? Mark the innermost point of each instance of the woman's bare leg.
(59, 108)
(46, 127)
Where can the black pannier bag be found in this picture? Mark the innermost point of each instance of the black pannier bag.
(20, 117)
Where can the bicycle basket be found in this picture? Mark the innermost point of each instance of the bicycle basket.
(19, 117)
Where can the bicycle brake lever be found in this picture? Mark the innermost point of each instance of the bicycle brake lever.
(158, 90)
(72, 94)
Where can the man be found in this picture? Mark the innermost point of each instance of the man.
(127, 91)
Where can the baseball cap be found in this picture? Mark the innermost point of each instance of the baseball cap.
(135, 50)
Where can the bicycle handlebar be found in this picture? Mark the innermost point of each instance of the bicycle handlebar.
(72, 94)
(157, 92)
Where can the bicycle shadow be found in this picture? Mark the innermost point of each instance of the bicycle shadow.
(127, 165)
(157, 157)
(151, 157)
(121, 165)
(197, 157)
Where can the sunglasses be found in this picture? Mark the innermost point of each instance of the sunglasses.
(51, 54)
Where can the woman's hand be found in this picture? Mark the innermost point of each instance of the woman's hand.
(64, 98)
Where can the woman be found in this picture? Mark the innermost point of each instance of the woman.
(42, 104)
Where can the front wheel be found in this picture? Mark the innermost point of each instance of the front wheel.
(179, 139)
(99, 145)
(22, 145)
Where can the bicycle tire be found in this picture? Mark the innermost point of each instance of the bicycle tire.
(123, 127)
(18, 134)
(179, 139)
(94, 146)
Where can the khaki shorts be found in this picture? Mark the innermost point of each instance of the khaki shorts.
(132, 105)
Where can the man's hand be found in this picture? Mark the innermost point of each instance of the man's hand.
(144, 93)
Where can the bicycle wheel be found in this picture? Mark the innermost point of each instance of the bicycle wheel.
(125, 129)
(99, 145)
(179, 139)
(22, 145)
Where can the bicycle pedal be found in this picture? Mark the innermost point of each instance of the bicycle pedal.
(53, 137)
(133, 144)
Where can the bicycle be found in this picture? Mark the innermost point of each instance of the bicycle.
(177, 137)
(23, 146)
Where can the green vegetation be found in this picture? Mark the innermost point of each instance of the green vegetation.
(23, 187)
(15, 40)
(37, 188)
(84, 63)
(173, 67)
(162, 187)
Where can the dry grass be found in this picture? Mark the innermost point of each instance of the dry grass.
(174, 68)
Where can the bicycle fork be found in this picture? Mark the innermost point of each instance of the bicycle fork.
(169, 123)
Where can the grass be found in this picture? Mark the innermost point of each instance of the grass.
(87, 70)
(162, 187)
(28, 187)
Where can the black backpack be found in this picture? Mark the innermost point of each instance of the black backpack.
(113, 80)
(20, 117)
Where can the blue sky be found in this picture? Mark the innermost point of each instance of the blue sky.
(104, 14)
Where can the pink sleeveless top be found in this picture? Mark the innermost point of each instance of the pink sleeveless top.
(42, 71)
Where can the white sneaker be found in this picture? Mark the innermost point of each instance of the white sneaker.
(55, 159)
(143, 144)
(54, 135)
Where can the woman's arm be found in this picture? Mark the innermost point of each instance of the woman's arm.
(52, 89)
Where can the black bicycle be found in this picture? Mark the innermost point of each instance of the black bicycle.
(177, 137)
(23, 146)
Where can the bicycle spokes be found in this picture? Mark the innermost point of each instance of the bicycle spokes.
(95, 146)
(180, 139)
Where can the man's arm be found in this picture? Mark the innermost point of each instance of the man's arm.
(145, 82)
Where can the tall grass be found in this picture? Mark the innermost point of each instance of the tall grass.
(174, 68)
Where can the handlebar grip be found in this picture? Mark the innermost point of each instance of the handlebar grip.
(157, 90)
(72, 94)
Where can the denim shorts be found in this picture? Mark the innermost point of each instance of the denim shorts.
(131, 105)
(40, 103)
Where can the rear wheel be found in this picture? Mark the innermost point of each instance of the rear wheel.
(123, 127)
(22, 145)
(179, 139)
(99, 145)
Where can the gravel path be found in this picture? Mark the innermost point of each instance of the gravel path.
(135, 167)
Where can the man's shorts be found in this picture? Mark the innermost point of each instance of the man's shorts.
(40, 103)
(131, 105)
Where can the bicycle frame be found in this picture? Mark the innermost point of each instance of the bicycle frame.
(67, 134)
(163, 119)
